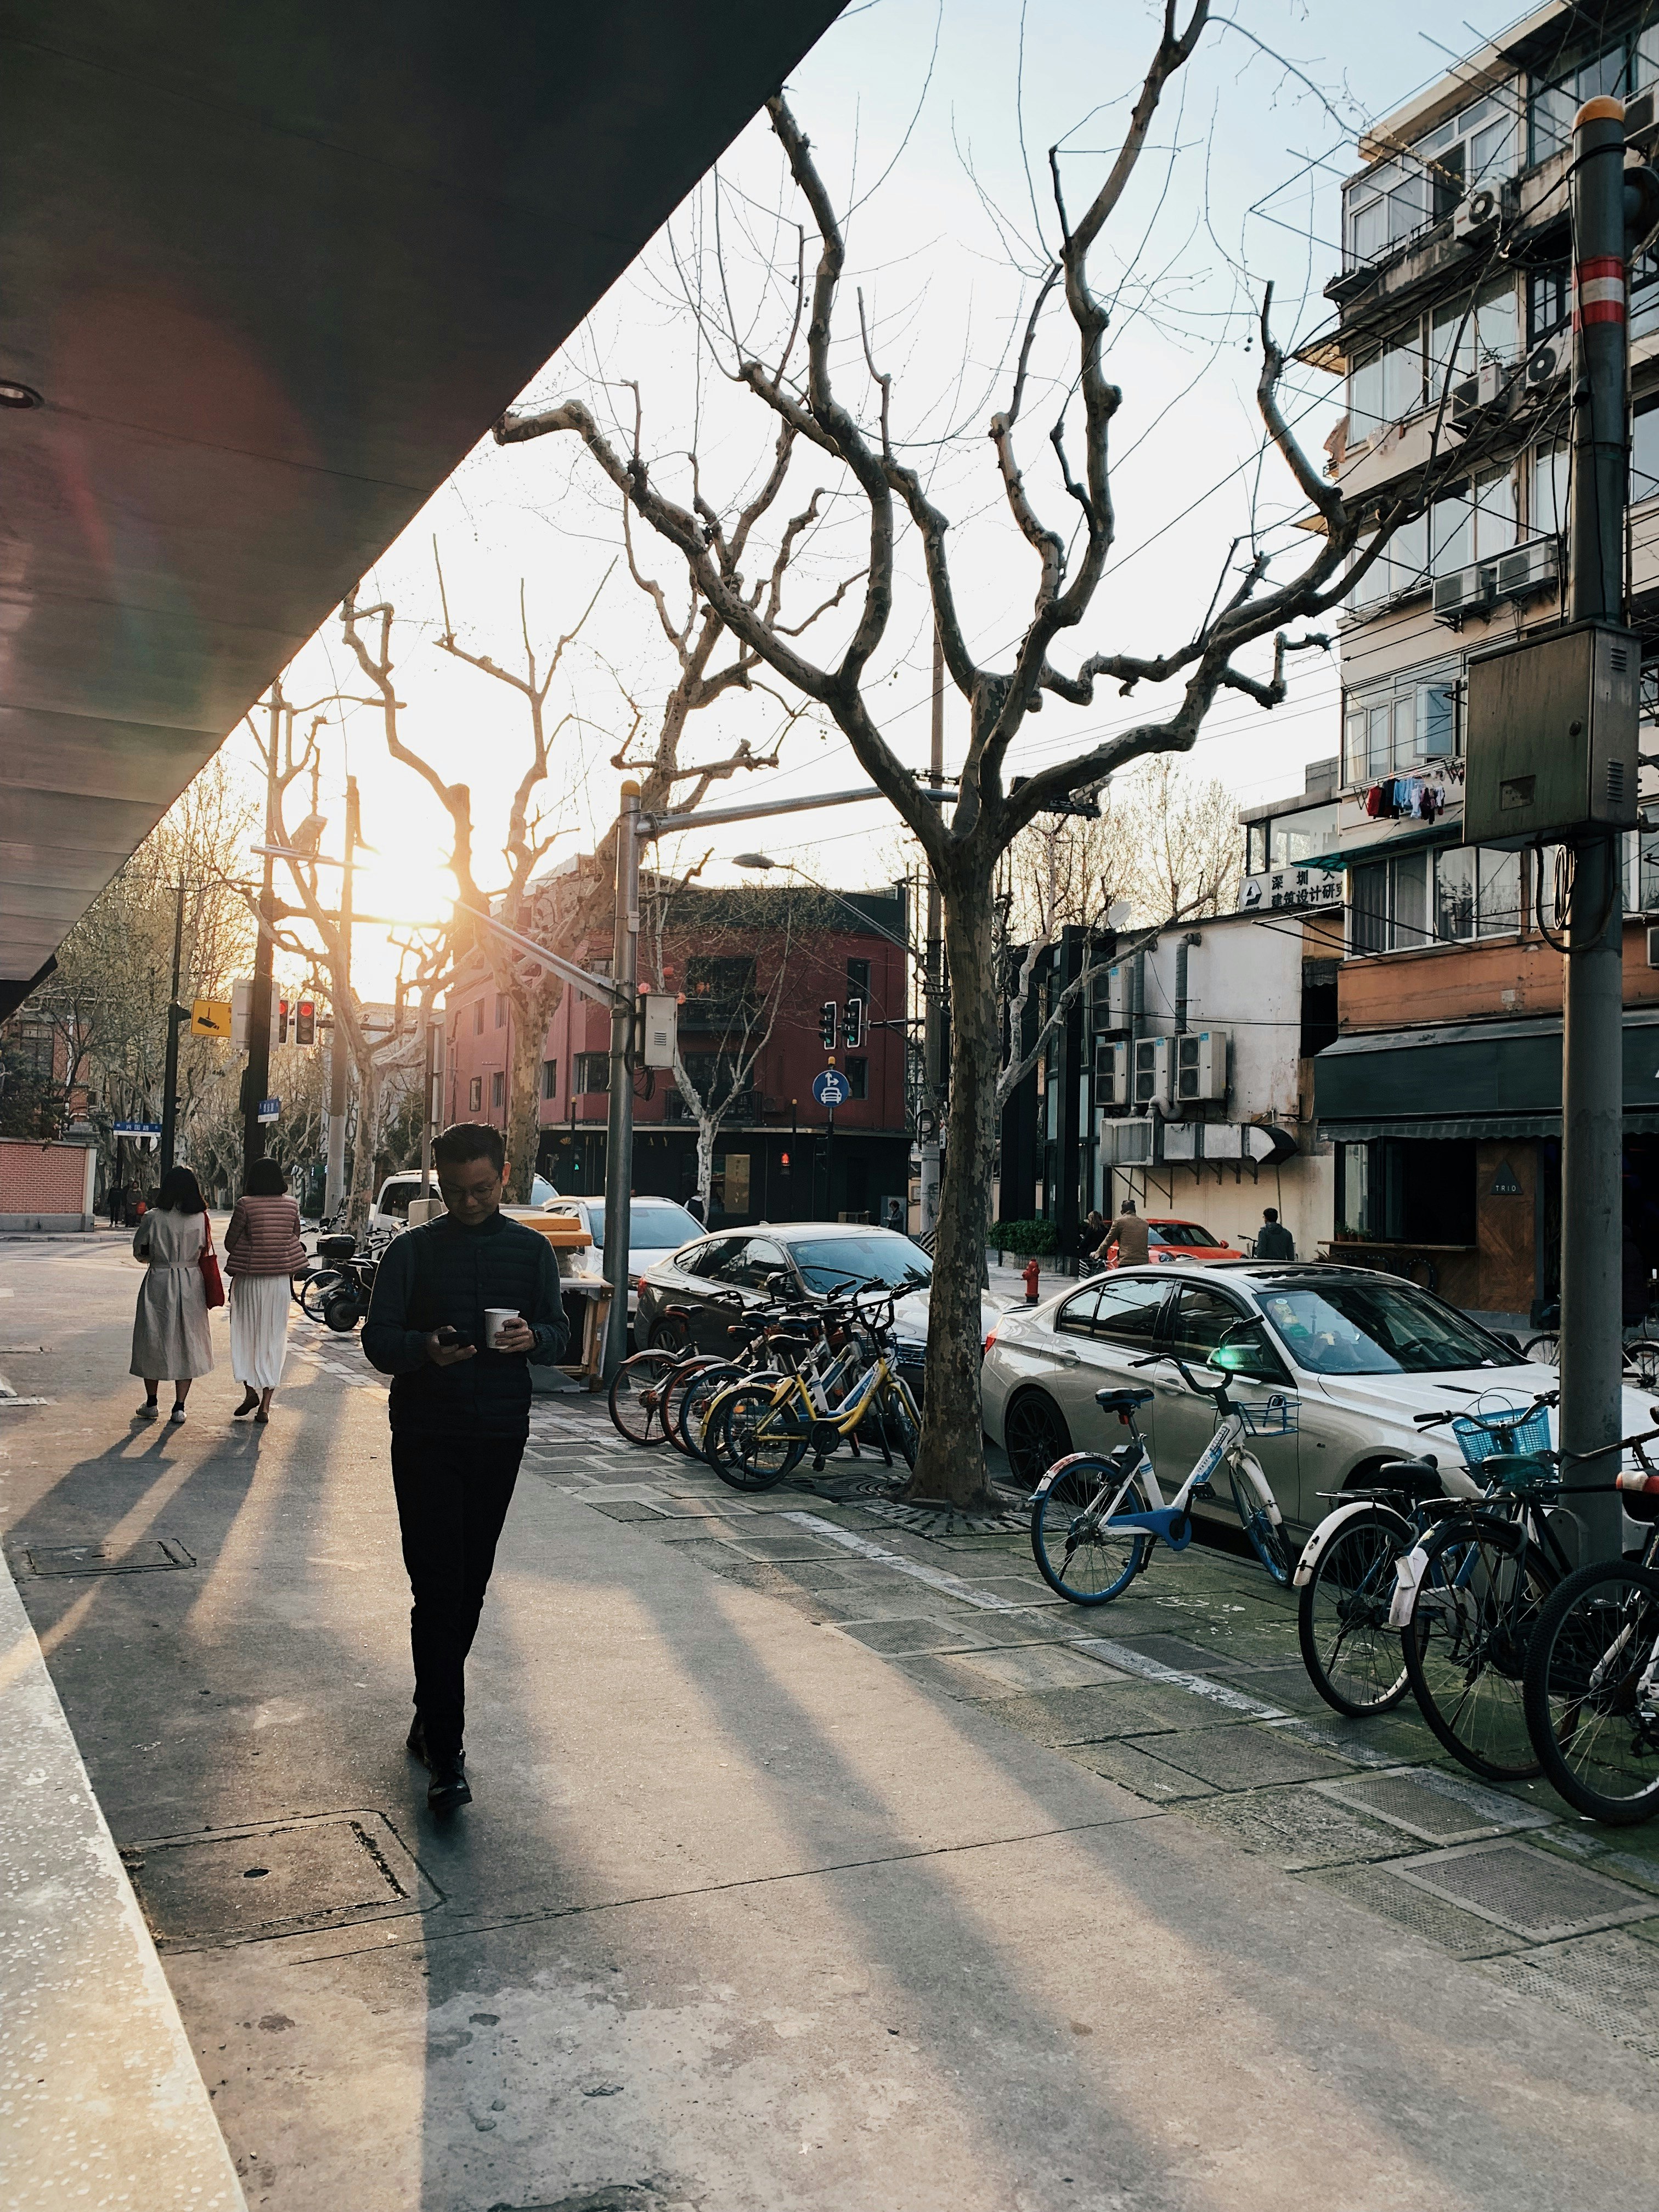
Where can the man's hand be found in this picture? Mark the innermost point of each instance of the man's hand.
(447, 1355)
(515, 1335)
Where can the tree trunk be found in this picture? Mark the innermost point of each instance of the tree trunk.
(524, 1085)
(707, 1132)
(361, 1195)
(951, 1464)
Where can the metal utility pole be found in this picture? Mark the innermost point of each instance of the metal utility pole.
(1592, 1067)
(619, 1140)
(433, 1100)
(176, 1013)
(338, 1061)
(256, 1077)
(932, 1007)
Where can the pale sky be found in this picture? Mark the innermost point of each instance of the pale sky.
(916, 110)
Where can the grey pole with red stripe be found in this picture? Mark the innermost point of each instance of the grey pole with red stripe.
(1592, 1061)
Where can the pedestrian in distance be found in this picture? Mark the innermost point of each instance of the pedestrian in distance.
(170, 1337)
(1127, 1243)
(1273, 1241)
(694, 1207)
(460, 1307)
(262, 1252)
(1093, 1234)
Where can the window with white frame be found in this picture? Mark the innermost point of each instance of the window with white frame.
(1448, 897)
(1475, 521)
(1463, 338)
(1401, 567)
(1389, 728)
(1627, 65)
(1644, 454)
(1481, 144)
(1552, 473)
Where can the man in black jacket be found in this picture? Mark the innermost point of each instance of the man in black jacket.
(460, 1415)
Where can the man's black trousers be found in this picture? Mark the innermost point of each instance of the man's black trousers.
(452, 1496)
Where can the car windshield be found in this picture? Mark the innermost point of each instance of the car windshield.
(1379, 1328)
(653, 1225)
(883, 1256)
(1181, 1232)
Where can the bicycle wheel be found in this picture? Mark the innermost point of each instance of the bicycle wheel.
(637, 1395)
(1267, 1538)
(901, 1422)
(1352, 1656)
(761, 1438)
(1078, 1554)
(1544, 1349)
(670, 1332)
(317, 1287)
(691, 1405)
(1592, 1699)
(1466, 1640)
(675, 1389)
(1641, 1363)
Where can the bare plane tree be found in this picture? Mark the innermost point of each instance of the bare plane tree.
(963, 846)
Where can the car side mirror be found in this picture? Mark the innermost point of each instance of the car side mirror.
(1508, 1336)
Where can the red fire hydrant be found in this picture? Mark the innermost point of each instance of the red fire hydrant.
(1031, 1271)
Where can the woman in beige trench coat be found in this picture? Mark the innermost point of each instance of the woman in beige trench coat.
(170, 1329)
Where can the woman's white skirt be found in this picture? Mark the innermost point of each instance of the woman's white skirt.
(259, 1328)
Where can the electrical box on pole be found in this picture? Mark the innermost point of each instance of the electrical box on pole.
(660, 1011)
(1551, 740)
(241, 997)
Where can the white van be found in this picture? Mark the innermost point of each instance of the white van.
(391, 1208)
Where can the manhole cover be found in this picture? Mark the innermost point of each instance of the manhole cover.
(100, 1559)
(1242, 1758)
(1436, 1808)
(1608, 1981)
(1377, 1889)
(1529, 1891)
(238, 1885)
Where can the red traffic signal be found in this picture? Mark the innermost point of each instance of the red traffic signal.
(305, 1022)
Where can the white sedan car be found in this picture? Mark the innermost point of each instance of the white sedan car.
(1352, 1355)
(657, 1227)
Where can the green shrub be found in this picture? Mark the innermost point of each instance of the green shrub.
(1026, 1236)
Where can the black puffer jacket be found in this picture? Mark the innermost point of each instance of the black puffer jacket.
(443, 1273)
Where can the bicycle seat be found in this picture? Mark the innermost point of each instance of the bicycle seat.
(1413, 1477)
(1122, 1401)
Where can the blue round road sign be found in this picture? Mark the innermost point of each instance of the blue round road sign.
(831, 1087)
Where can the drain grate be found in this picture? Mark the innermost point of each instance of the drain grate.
(1610, 1982)
(1530, 1892)
(1242, 1758)
(99, 1559)
(1295, 1827)
(1377, 1889)
(1435, 1807)
(279, 1878)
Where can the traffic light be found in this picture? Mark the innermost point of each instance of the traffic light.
(278, 1022)
(828, 1014)
(305, 1022)
(853, 1025)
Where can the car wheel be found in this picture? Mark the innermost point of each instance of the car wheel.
(1034, 1435)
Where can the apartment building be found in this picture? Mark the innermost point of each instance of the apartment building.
(1441, 1097)
(752, 999)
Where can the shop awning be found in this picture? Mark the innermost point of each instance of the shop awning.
(1468, 1079)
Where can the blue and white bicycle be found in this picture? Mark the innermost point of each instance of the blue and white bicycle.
(1095, 1517)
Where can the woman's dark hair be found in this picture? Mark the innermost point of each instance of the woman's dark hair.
(181, 1193)
(265, 1180)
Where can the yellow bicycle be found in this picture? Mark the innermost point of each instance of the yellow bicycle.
(759, 1432)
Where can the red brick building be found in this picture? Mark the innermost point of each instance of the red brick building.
(777, 1157)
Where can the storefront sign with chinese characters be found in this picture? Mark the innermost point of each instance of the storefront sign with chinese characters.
(1292, 888)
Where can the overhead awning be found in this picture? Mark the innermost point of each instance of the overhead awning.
(1468, 1079)
(271, 271)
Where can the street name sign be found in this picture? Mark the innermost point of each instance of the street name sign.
(269, 1109)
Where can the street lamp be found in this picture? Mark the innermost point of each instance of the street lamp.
(758, 860)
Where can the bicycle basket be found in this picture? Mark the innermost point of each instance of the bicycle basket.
(1509, 1430)
(1275, 1415)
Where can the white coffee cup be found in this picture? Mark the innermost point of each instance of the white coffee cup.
(494, 1318)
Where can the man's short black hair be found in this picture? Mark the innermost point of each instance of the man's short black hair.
(1129, 1205)
(1271, 1214)
(469, 1141)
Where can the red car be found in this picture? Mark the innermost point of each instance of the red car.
(1170, 1238)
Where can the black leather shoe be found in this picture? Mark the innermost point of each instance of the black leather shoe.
(416, 1743)
(449, 1786)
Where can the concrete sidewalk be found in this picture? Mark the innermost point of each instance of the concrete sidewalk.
(820, 1860)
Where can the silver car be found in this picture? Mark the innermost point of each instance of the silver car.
(1336, 1362)
(656, 1227)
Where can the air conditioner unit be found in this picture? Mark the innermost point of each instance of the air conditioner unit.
(1641, 121)
(1128, 1143)
(1111, 1074)
(1544, 364)
(1200, 1065)
(1152, 1071)
(1474, 394)
(1529, 567)
(1478, 212)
